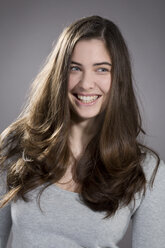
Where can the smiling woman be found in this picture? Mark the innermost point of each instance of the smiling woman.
(74, 171)
(89, 78)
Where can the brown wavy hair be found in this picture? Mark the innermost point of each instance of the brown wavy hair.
(35, 148)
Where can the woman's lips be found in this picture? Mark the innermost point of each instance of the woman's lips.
(86, 99)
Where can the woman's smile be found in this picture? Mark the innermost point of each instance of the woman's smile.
(86, 100)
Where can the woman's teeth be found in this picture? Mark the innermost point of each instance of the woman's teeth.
(87, 99)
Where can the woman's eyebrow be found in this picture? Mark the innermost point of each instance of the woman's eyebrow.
(103, 63)
(96, 64)
(73, 62)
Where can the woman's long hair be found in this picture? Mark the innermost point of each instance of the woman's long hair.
(35, 148)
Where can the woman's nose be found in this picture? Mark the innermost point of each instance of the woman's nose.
(87, 80)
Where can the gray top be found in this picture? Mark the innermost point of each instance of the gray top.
(66, 222)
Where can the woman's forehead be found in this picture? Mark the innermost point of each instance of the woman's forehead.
(89, 50)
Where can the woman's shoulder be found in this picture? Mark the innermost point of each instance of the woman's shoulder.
(154, 171)
(148, 215)
(153, 165)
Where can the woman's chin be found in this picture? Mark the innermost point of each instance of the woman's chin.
(79, 116)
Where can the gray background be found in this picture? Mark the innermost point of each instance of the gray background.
(28, 29)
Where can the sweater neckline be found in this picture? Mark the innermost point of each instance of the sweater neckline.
(66, 192)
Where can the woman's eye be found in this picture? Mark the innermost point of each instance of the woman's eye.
(74, 68)
(102, 70)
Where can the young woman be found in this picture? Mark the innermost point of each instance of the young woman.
(73, 169)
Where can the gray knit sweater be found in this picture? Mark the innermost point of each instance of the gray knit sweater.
(65, 222)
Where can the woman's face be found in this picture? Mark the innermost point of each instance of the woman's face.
(89, 78)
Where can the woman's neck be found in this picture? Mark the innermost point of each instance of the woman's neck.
(80, 135)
